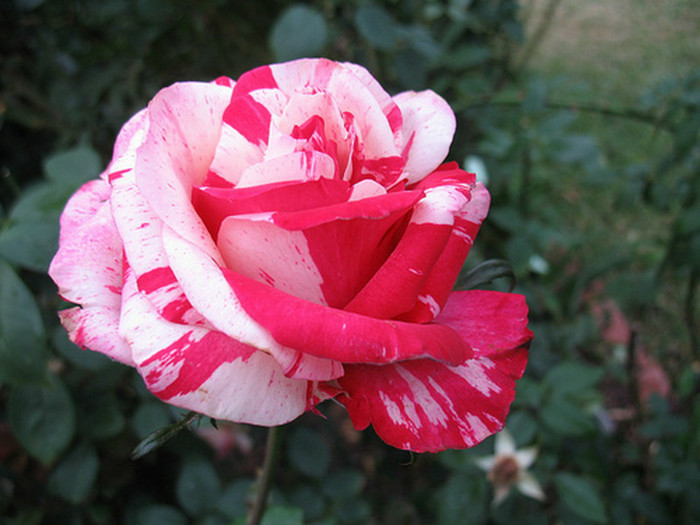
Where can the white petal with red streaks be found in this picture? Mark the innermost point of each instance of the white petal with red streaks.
(185, 126)
(366, 189)
(130, 137)
(213, 298)
(350, 94)
(141, 232)
(253, 246)
(298, 166)
(234, 153)
(89, 261)
(87, 269)
(206, 371)
(428, 127)
(97, 328)
(388, 104)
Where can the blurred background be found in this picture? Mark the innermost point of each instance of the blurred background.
(583, 119)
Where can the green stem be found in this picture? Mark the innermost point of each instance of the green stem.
(265, 477)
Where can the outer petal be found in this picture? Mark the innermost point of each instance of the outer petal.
(442, 276)
(140, 230)
(206, 371)
(185, 126)
(428, 127)
(88, 271)
(490, 321)
(205, 286)
(425, 405)
(345, 336)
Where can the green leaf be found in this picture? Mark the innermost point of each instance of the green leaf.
(233, 500)
(565, 418)
(308, 452)
(580, 496)
(343, 484)
(487, 272)
(75, 475)
(161, 436)
(158, 515)
(308, 499)
(22, 336)
(299, 32)
(30, 244)
(99, 414)
(283, 515)
(42, 202)
(376, 25)
(73, 167)
(571, 378)
(528, 393)
(198, 488)
(149, 417)
(522, 426)
(43, 419)
(352, 511)
(456, 500)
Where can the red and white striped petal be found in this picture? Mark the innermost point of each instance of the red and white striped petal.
(184, 129)
(96, 328)
(234, 153)
(351, 95)
(254, 246)
(88, 271)
(298, 166)
(389, 107)
(444, 272)
(208, 372)
(290, 250)
(344, 336)
(141, 232)
(208, 290)
(428, 127)
(427, 406)
(394, 288)
(214, 204)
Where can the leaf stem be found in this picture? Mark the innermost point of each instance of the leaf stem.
(265, 476)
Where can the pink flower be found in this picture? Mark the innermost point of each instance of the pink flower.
(256, 247)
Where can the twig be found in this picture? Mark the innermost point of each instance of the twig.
(265, 477)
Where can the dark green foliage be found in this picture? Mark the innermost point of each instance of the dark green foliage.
(583, 222)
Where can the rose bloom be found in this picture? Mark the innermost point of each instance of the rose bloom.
(259, 246)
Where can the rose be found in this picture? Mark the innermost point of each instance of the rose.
(256, 247)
